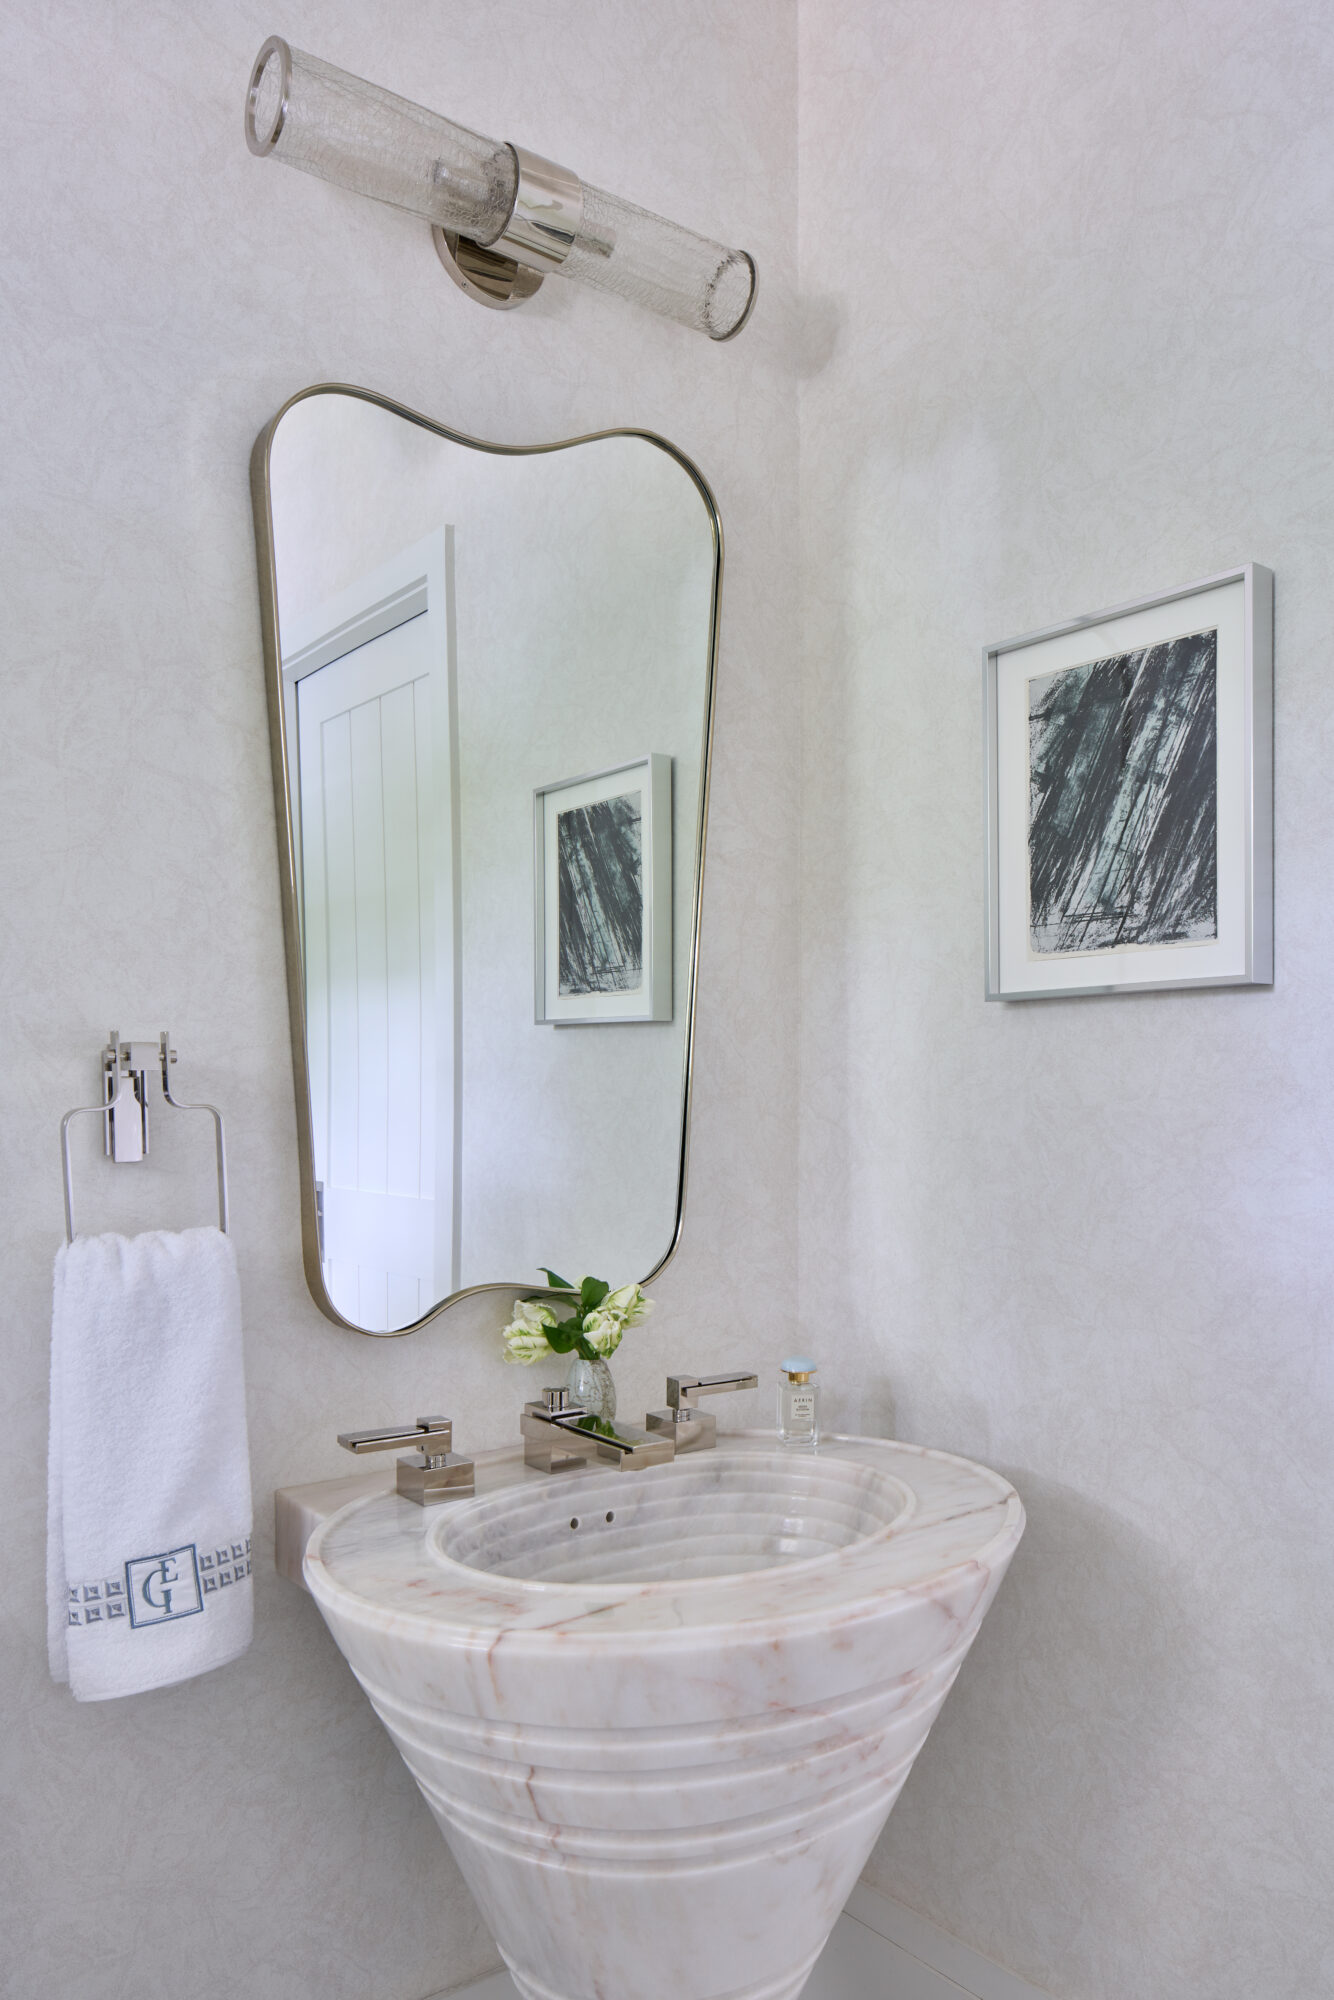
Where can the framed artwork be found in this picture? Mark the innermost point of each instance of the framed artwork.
(1129, 781)
(603, 896)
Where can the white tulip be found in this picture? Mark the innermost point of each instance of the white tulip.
(603, 1329)
(525, 1337)
(630, 1304)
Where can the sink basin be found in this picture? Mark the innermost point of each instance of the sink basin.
(660, 1717)
(721, 1514)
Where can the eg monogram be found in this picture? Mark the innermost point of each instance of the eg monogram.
(164, 1587)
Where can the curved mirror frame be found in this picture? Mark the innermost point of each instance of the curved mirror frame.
(286, 812)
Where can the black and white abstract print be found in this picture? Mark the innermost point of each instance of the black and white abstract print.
(601, 855)
(1123, 800)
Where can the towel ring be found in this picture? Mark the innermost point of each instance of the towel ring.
(127, 1061)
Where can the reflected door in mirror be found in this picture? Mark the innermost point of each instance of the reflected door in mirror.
(369, 800)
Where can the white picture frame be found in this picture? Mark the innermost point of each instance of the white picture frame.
(1113, 742)
(610, 960)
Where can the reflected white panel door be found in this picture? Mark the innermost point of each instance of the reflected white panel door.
(370, 803)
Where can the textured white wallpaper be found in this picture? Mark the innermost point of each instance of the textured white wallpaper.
(1068, 278)
(253, 1832)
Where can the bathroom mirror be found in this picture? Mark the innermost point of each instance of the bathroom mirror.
(490, 675)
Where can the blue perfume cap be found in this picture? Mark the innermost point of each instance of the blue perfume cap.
(799, 1364)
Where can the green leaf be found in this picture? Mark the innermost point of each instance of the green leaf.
(592, 1292)
(557, 1284)
(587, 1352)
(567, 1334)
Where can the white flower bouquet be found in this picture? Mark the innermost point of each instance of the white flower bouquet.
(593, 1330)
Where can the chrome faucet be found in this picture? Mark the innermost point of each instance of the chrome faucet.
(429, 1475)
(689, 1428)
(559, 1435)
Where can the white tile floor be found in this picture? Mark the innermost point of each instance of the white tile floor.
(858, 1965)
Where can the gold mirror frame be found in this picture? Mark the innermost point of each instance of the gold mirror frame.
(296, 985)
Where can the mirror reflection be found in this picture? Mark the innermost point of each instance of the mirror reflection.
(491, 678)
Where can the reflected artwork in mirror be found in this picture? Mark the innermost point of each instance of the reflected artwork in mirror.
(490, 676)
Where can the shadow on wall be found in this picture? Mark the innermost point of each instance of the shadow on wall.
(1064, 1718)
(864, 1409)
(818, 323)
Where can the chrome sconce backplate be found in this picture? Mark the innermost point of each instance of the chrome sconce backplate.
(484, 275)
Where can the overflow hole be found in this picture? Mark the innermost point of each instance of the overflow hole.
(611, 1517)
(574, 1520)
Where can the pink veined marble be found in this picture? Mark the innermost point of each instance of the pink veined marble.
(661, 1717)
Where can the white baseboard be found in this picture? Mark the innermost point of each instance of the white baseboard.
(879, 1950)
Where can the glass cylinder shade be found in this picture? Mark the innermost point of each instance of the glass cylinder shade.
(332, 124)
(329, 123)
(659, 265)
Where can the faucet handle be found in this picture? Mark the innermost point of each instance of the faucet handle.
(433, 1472)
(680, 1388)
(440, 1430)
(689, 1428)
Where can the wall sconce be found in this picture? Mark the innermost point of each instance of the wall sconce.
(502, 218)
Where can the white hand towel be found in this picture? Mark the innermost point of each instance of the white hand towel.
(148, 1475)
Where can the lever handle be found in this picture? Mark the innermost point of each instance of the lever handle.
(681, 1388)
(435, 1475)
(440, 1430)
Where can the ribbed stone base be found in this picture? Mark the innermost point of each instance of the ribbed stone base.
(661, 1718)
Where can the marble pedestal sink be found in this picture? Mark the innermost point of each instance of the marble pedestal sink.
(660, 1717)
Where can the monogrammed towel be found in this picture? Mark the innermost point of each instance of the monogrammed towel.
(148, 1473)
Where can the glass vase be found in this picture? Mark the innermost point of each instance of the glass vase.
(590, 1385)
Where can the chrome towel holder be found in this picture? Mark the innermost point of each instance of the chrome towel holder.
(124, 1113)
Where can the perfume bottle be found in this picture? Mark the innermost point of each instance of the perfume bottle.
(798, 1403)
